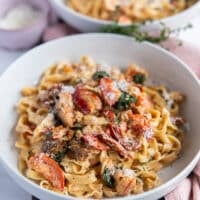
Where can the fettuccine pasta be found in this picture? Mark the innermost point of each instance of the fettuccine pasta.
(92, 132)
(129, 11)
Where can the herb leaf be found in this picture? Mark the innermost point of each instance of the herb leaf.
(100, 74)
(108, 178)
(49, 134)
(125, 101)
(134, 31)
(61, 154)
(139, 78)
(77, 126)
(118, 167)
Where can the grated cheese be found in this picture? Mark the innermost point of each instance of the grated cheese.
(19, 17)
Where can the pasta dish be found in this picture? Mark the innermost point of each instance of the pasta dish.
(129, 11)
(93, 131)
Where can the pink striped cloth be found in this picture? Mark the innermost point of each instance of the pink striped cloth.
(189, 188)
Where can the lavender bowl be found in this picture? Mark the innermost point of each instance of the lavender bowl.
(28, 36)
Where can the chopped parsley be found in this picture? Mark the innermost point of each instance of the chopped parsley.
(49, 134)
(77, 126)
(118, 167)
(61, 154)
(139, 78)
(108, 178)
(125, 101)
(100, 74)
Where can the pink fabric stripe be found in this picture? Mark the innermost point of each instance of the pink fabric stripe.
(182, 191)
(195, 188)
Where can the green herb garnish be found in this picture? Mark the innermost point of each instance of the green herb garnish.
(118, 167)
(108, 178)
(100, 74)
(77, 126)
(134, 31)
(125, 101)
(49, 134)
(139, 78)
(61, 154)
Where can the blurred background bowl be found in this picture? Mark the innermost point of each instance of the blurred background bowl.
(88, 24)
(27, 36)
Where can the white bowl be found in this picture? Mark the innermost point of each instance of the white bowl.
(89, 24)
(117, 50)
(26, 37)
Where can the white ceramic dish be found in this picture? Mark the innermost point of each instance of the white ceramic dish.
(89, 24)
(118, 50)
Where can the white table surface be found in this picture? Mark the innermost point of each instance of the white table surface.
(8, 189)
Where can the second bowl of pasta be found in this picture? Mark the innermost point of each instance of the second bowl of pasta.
(90, 16)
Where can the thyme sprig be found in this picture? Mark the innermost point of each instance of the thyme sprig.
(134, 30)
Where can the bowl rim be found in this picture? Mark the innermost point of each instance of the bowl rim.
(43, 7)
(172, 182)
(63, 6)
